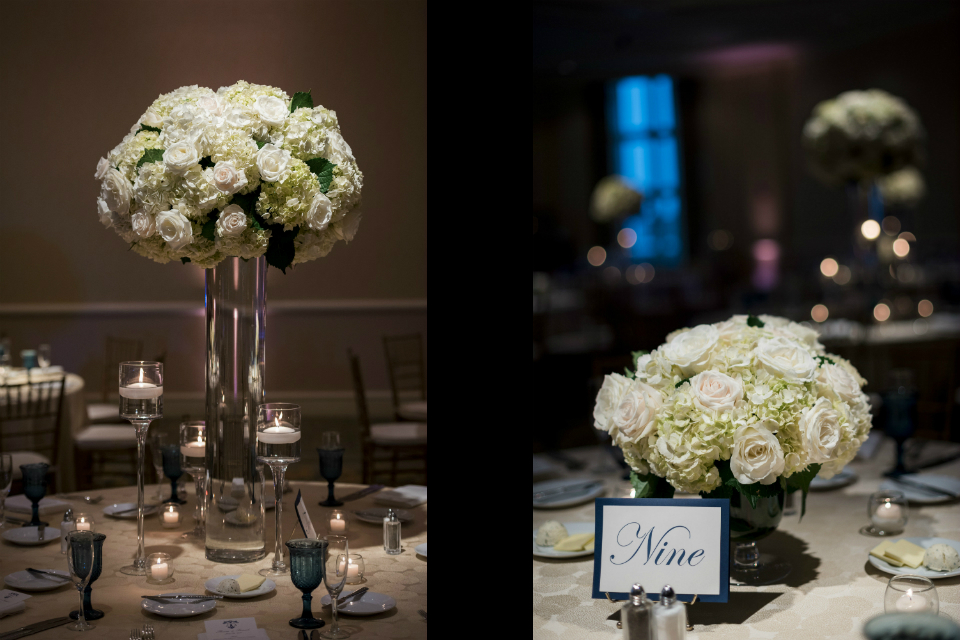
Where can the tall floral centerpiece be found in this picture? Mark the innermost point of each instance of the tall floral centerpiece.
(230, 181)
(748, 409)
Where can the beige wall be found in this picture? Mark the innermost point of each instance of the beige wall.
(75, 76)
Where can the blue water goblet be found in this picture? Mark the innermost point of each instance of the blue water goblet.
(172, 470)
(82, 551)
(35, 487)
(331, 466)
(306, 571)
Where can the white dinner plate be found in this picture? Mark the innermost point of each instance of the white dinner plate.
(572, 528)
(114, 509)
(422, 549)
(178, 609)
(267, 586)
(37, 582)
(926, 543)
(921, 496)
(375, 515)
(842, 479)
(369, 604)
(583, 490)
(30, 537)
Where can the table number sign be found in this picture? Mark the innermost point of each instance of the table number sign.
(655, 542)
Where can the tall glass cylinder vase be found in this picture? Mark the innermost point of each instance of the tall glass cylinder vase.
(236, 310)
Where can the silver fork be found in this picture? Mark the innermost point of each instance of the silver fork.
(135, 634)
(148, 632)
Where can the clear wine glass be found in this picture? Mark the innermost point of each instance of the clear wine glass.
(6, 479)
(43, 355)
(193, 460)
(278, 445)
(81, 558)
(333, 580)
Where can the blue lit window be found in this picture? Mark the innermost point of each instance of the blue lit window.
(643, 143)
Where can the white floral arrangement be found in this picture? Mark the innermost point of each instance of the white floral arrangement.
(904, 188)
(862, 135)
(242, 171)
(751, 404)
(613, 198)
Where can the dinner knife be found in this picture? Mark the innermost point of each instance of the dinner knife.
(36, 627)
(182, 597)
(355, 594)
(48, 573)
(924, 487)
(558, 491)
(363, 492)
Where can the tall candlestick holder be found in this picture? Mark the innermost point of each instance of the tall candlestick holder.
(193, 460)
(278, 445)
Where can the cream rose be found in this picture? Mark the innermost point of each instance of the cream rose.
(151, 119)
(820, 430)
(102, 167)
(272, 110)
(786, 359)
(608, 400)
(103, 212)
(237, 117)
(227, 178)
(636, 415)
(174, 227)
(272, 163)
(320, 213)
(144, 224)
(839, 379)
(180, 156)
(715, 391)
(691, 350)
(232, 222)
(116, 191)
(211, 104)
(349, 225)
(757, 455)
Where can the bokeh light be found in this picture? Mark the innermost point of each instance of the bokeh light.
(870, 229)
(829, 267)
(611, 275)
(925, 308)
(596, 256)
(819, 313)
(881, 312)
(627, 238)
(901, 247)
(648, 271)
(843, 275)
(906, 235)
(720, 240)
(891, 226)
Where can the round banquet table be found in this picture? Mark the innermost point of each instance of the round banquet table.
(403, 577)
(831, 591)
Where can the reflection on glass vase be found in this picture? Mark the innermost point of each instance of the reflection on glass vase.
(236, 310)
(748, 525)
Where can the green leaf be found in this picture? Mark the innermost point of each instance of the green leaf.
(301, 99)
(628, 373)
(280, 250)
(210, 226)
(650, 486)
(144, 127)
(150, 155)
(260, 144)
(323, 169)
(248, 201)
(207, 163)
(800, 481)
(754, 321)
(823, 359)
(184, 260)
(255, 223)
(635, 355)
(751, 491)
(677, 386)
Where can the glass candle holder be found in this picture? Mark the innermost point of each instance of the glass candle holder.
(193, 460)
(278, 445)
(353, 566)
(83, 522)
(338, 523)
(911, 594)
(887, 511)
(159, 568)
(170, 516)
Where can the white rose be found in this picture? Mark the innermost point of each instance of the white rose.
(237, 117)
(151, 119)
(102, 167)
(211, 104)
(272, 110)
(349, 225)
(227, 178)
(820, 430)
(339, 150)
(320, 213)
(636, 415)
(839, 379)
(103, 212)
(144, 224)
(715, 391)
(787, 359)
(116, 191)
(181, 156)
(174, 228)
(232, 222)
(608, 400)
(729, 329)
(691, 350)
(272, 163)
(757, 456)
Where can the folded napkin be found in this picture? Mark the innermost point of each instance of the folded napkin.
(21, 504)
(11, 602)
(409, 495)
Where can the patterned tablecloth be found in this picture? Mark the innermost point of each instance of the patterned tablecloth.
(403, 577)
(830, 593)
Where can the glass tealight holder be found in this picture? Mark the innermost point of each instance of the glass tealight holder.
(353, 565)
(338, 523)
(83, 522)
(159, 568)
(887, 511)
(908, 593)
(170, 516)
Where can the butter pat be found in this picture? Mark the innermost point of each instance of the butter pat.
(879, 551)
(907, 553)
(576, 542)
(248, 582)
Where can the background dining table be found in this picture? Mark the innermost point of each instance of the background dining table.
(832, 588)
(403, 577)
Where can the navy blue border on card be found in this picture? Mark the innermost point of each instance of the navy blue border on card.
(724, 505)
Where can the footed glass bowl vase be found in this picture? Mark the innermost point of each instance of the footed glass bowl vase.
(748, 525)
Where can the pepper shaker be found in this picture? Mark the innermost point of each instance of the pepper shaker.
(670, 616)
(391, 533)
(635, 616)
(66, 527)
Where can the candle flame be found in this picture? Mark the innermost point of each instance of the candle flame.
(277, 420)
(141, 375)
(910, 593)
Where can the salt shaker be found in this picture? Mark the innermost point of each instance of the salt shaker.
(66, 527)
(391, 534)
(635, 617)
(670, 616)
